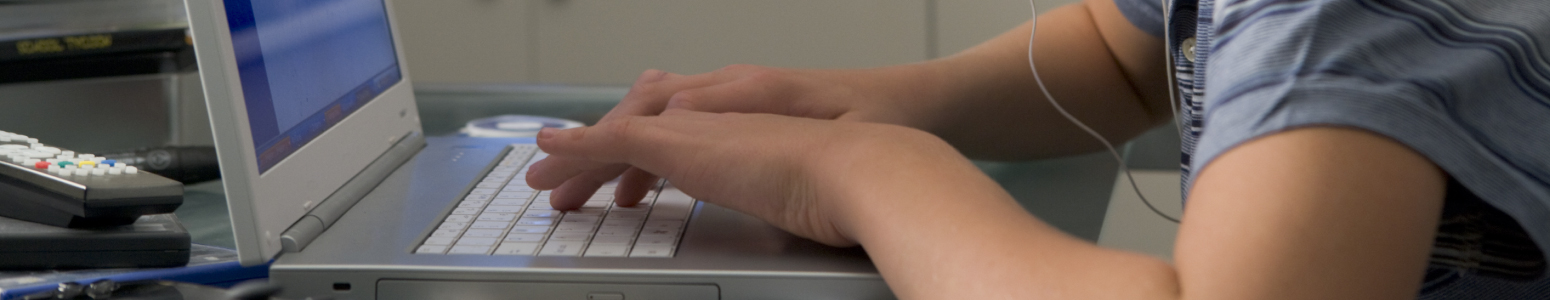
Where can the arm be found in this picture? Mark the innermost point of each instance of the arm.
(1316, 213)
(1101, 68)
(983, 101)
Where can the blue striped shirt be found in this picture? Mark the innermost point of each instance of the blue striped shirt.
(1464, 83)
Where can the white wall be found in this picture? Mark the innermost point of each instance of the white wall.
(610, 42)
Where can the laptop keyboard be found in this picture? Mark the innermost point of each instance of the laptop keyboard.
(501, 215)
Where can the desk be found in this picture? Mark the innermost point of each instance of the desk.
(1070, 193)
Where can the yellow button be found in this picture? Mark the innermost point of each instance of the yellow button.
(87, 163)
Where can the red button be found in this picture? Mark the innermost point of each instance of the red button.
(41, 165)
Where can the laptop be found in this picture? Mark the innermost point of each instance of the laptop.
(329, 178)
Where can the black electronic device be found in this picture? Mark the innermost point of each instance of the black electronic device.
(49, 185)
(151, 241)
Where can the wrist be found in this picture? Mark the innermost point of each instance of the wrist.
(893, 179)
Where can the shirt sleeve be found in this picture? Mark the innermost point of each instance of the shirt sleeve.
(1464, 83)
(1147, 15)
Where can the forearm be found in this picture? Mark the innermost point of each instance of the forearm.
(986, 103)
(945, 231)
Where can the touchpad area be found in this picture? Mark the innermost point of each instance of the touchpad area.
(522, 290)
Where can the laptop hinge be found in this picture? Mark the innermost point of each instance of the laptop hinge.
(327, 212)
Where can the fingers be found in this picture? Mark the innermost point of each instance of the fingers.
(610, 142)
(653, 90)
(577, 190)
(748, 95)
(553, 171)
(633, 186)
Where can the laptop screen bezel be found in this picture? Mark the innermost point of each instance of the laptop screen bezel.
(264, 204)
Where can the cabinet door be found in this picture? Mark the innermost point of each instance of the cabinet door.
(466, 41)
(611, 42)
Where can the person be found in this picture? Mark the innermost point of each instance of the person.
(1350, 149)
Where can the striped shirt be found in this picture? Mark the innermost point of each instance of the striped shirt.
(1465, 83)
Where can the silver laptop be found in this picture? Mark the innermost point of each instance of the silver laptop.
(328, 177)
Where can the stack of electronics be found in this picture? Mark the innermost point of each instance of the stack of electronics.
(63, 209)
(129, 61)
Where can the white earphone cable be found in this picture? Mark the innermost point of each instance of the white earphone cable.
(1122, 166)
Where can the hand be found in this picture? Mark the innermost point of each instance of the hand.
(792, 172)
(859, 95)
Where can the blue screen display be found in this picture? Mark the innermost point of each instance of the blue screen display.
(307, 64)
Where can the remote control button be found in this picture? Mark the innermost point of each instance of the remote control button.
(82, 172)
(66, 163)
(67, 154)
(87, 163)
(99, 172)
(115, 171)
(41, 165)
(109, 162)
(131, 170)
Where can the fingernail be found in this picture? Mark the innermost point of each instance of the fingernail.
(546, 133)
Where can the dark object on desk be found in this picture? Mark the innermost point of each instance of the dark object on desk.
(152, 241)
(95, 54)
(207, 266)
(186, 164)
(54, 186)
(156, 290)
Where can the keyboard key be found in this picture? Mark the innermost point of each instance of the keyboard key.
(525, 237)
(529, 221)
(452, 225)
(659, 231)
(562, 248)
(489, 225)
(486, 191)
(503, 209)
(473, 203)
(431, 249)
(509, 202)
(595, 204)
(600, 196)
(652, 251)
(447, 232)
(518, 188)
(514, 195)
(489, 216)
(587, 211)
(617, 231)
(483, 233)
(530, 229)
(460, 249)
(616, 215)
(607, 250)
(489, 185)
(637, 208)
(664, 224)
(438, 240)
(644, 239)
(477, 241)
(541, 213)
(612, 240)
(626, 223)
(584, 219)
(574, 227)
(465, 211)
(477, 198)
(570, 236)
(460, 218)
(516, 249)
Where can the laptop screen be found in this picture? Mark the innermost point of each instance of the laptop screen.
(307, 64)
